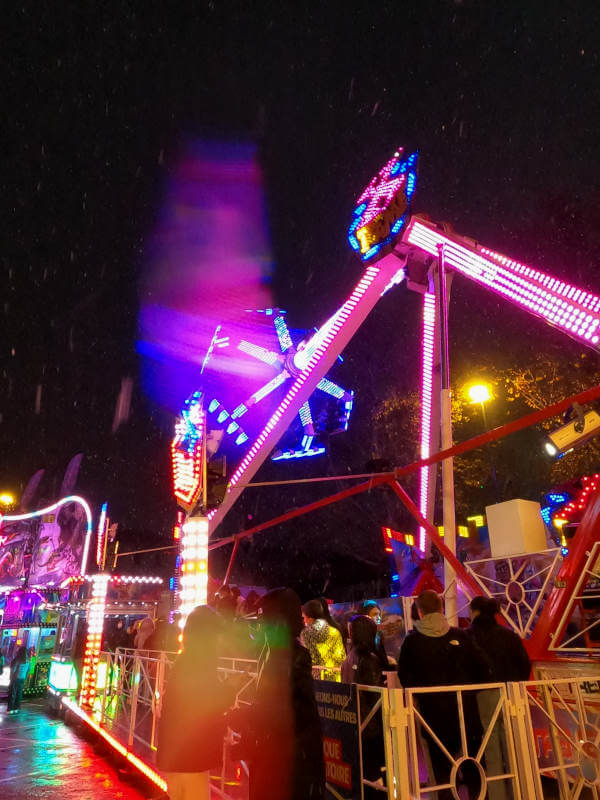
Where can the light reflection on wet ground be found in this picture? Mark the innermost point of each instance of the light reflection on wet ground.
(42, 758)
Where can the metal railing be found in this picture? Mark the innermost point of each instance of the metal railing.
(128, 705)
(580, 626)
(562, 741)
(519, 583)
(518, 741)
(462, 610)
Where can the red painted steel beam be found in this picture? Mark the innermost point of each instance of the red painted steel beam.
(388, 477)
(298, 512)
(236, 544)
(461, 573)
(588, 532)
(499, 433)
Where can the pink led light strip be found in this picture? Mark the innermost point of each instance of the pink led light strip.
(332, 332)
(428, 349)
(563, 305)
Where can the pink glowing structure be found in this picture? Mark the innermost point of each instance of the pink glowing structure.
(384, 235)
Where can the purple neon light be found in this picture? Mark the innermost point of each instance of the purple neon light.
(260, 353)
(331, 388)
(305, 414)
(559, 303)
(268, 387)
(428, 349)
(283, 334)
(327, 335)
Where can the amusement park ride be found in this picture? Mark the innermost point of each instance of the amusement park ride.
(286, 377)
(393, 245)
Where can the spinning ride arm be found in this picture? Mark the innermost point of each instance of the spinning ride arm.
(314, 361)
(384, 235)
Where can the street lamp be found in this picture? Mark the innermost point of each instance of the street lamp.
(480, 393)
(6, 499)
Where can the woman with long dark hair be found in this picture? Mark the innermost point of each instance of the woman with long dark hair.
(322, 640)
(363, 666)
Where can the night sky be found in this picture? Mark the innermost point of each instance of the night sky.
(100, 101)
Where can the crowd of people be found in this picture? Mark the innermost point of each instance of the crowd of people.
(279, 733)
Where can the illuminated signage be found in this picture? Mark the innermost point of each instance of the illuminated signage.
(381, 210)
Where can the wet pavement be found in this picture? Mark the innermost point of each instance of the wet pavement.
(43, 758)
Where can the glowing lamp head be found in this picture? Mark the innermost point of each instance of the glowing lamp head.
(550, 449)
(6, 499)
(479, 393)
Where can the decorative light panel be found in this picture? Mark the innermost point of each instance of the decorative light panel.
(428, 351)
(381, 210)
(49, 510)
(187, 453)
(390, 535)
(193, 579)
(573, 510)
(93, 642)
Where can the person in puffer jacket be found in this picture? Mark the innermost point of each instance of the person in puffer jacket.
(322, 640)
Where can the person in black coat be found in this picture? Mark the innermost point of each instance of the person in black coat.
(436, 654)
(507, 660)
(502, 648)
(370, 609)
(281, 731)
(362, 666)
(192, 721)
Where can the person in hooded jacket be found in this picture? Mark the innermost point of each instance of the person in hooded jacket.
(322, 640)
(192, 721)
(436, 654)
(281, 731)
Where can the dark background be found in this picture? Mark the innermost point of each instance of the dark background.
(501, 99)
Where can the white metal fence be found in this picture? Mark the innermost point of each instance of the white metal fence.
(580, 623)
(128, 705)
(520, 741)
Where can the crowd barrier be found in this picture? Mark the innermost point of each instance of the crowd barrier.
(517, 741)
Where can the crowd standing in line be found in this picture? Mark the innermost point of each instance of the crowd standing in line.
(278, 731)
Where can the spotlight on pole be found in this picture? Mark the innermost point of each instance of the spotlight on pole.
(574, 434)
